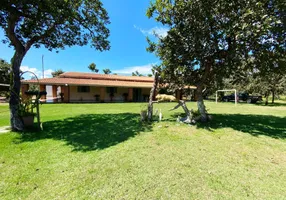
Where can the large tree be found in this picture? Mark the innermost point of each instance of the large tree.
(265, 80)
(52, 24)
(208, 40)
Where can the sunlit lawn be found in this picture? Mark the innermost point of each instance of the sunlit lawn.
(102, 151)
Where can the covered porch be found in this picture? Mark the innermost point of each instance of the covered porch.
(90, 94)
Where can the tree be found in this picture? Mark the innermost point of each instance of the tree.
(93, 68)
(106, 71)
(5, 71)
(265, 83)
(264, 80)
(57, 72)
(208, 40)
(52, 24)
(136, 73)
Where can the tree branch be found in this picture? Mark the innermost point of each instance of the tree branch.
(10, 31)
(39, 37)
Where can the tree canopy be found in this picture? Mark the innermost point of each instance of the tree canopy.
(106, 71)
(136, 73)
(5, 72)
(54, 24)
(57, 72)
(209, 40)
(92, 67)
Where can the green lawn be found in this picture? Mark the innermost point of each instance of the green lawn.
(102, 151)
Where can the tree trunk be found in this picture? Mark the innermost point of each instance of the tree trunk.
(201, 105)
(273, 96)
(15, 120)
(151, 97)
(189, 115)
(266, 98)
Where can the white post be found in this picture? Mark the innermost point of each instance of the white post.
(160, 116)
(216, 97)
(235, 97)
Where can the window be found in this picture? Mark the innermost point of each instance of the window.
(111, 90)
(83, 89)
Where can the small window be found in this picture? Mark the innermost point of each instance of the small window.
(83, 89)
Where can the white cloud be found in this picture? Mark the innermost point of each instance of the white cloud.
(47, 73)
(144, 69)
(159, 31)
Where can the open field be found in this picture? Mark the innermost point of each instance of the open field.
(102, 151)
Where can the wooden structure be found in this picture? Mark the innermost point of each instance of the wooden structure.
(36, 102)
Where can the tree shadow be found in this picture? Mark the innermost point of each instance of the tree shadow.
(275, 104)
(90, 132)
(174, 116)
(255, 125)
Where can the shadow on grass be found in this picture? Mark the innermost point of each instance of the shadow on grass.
(255, 125)
(275, 104)
(90, 132)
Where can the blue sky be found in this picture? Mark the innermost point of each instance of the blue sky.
(129, 28)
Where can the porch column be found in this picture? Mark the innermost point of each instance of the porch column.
(55, 88)
(24, 88)
(66, 90)
(43, 88)
(102, 94)
(130, 94)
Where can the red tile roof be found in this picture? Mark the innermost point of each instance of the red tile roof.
(88, 79)
(80, 75)
(91, 79)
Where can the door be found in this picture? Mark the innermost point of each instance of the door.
(137, 94)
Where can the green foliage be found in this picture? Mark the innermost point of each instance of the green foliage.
(5, 69)
(57, 72)
(264, 80)
(210, 40)
(106, 71)
(5, 74)
(54, 24)
(26, 107)
(93, 68)
(136, 73)
(34, 87)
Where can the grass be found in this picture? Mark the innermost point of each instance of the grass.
(102, 151)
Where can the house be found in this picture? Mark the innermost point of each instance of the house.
(90, 87)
